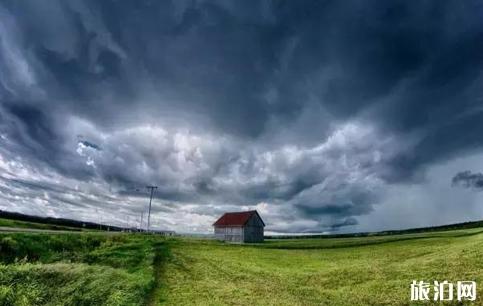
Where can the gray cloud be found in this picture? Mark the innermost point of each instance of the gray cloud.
(468, 179)
(312, 107)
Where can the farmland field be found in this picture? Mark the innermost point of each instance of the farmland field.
(135, 269)
(343, 271)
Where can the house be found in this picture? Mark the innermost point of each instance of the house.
(246, 226)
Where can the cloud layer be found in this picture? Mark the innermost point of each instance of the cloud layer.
(308, 111)
(468, 179)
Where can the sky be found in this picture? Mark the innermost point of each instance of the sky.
(325, 116)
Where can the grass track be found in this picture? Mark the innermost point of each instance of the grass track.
(161, 254)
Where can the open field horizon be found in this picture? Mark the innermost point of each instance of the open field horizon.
(91, 268)
(340, 141)
(32, 222)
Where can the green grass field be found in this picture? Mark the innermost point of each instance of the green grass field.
(343, 271)
(33, 225)
(133, 269)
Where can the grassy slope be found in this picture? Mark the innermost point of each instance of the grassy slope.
(77, 269)
(24, 224)
(346, 271)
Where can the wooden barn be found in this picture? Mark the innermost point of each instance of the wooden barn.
(246, 226)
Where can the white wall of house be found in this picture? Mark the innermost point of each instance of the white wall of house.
(229, 233)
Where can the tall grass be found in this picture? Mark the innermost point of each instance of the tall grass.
(76, 269)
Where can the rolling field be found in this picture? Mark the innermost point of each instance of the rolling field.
(8, 223)
(344, 271)
(136, 269)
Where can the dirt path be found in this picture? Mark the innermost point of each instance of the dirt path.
(160, 256)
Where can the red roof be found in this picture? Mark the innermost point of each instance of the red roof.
(236, 218)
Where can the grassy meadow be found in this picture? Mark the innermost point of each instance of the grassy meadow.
(334, 271)
(34, 225)
(138, 269)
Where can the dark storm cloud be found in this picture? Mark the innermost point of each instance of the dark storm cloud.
(468, 179)
(32, 132)
(338, 209)
(89, 144)
(312, 106)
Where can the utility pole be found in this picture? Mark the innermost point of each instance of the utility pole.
(150, 200)
(141, 224)
(98, 220)
(127, 223)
